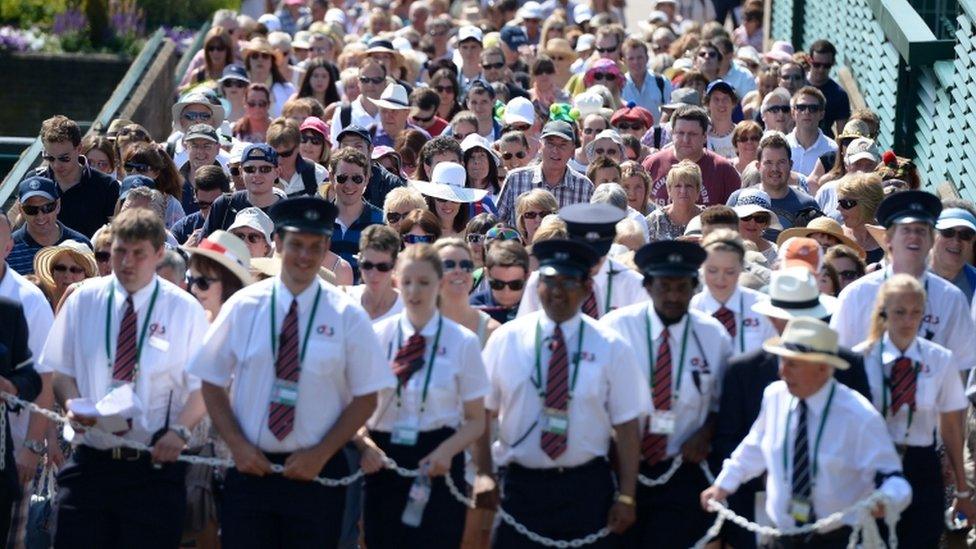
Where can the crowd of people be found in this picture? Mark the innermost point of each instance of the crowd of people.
(542, 261)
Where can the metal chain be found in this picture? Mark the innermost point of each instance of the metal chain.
(675, 465)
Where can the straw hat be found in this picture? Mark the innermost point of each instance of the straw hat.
(79, 252)
(227, 250)
(271, 267)
(809, 340)
(447, 183)
(559, 46)
(825, 225)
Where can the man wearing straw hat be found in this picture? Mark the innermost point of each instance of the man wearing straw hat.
(822, 446)
(126, 338)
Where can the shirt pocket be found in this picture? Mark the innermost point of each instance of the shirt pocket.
(323, 358)
(927, 390)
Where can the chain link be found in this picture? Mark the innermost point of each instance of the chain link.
(675, 465)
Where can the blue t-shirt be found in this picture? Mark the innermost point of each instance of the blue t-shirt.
(21, 258)
(785, 208)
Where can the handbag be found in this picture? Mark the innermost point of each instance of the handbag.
(37, 534)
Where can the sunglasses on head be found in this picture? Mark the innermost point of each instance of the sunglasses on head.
(374, 80)
(381, 267)
(103, 257)
(508, 155)
(253, 238)
(202, 282)
(137, 167)
(534, 215)
(313, 139)
(259, 104)
(197, 116)
(846, 203)
(606, 76)
(761, 218)
(964, 235)
(497, 233)
(342, 178)
(262, 169)
(514, 285)
(807, 107)
(491, 66)
(782, 109)
(418, 238)
(31, 211)
(74, 269)
(465, 265)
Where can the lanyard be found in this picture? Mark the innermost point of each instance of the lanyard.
(886, 385)
(681, 362)
(430, 364)
(606, 301)
(814, 462)
(145, 324)
(308, 327)
(538, 361)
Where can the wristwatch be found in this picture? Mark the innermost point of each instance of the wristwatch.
(626, 500)
(181, 431)
(964, 494)
(35, 446)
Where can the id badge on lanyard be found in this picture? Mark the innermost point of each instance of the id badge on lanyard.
(662, 422)
(555, 421)
(284, 392)
(405, 435)
(799, 509)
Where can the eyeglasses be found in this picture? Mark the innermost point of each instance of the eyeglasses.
(749, 138)
(846, 203)
(821, 65)
(197, 116)
(508, 155)
(591, 131)
(965, 235)
(492, 66)
(475, 238)
(534, 215)
(606, 152)
(257, 104)
(313, 139)
(423, 120)
(465, 265)
(807, 107)
(374, 80)
(849, 274)
(216, 47)
(628, 127)
(499, 285)
(782, 109)
(497, 233)
(381, 267)
(74, 269)
(569, 284)
(31, 211)
(253, 238)
(611, 49)
(607, 76)
(234, 83)
(137, 167)
(444, 89)
(418, 238)
(103, 257)
(709, 54)
(50, 159)
(791, 76)
(202, 282)
(761, 218)
(262, 169)
(342, 178)
(288, 153)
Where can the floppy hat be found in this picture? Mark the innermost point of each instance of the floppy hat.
(227, 250)
(447, 183)
(198, 98)
(612, 135)
(781, 51)
(793, 292)
(683, 96)
(751, 201)
(258, 44)
(79, 252)
(378, 45)
(394, 97)
(475, 141)
(825, 225)
(854, 129)
(588, 103)
(254, 218)
(809, 340)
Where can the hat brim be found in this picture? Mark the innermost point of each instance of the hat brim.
(564, 269)
(451, 193)
(825, 307)
(912, 218)
(45, 257)
(383, 103)
(806, 231)
(238, 270)
(750, 209)
(397, 55)
(668, 270)
(38, 192)
(217, 110)
(861, 156)
(557, 134)
(950, 223)
(301, 227)
(775, 346)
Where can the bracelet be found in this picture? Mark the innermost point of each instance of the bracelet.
(626, 500)
(965, 494)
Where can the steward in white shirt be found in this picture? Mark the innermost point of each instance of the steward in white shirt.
(822, 446)
(290, 371)
(909, 218)
(916, 388)
(563, 386)
(681, 354)
(128, 333)
(614, 284)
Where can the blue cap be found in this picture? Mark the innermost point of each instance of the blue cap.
(513, 37)
(38, 186)
(132, 181)
(234, 72)
(358, 131)
(259, 151)
(956, 217)
(720, 85)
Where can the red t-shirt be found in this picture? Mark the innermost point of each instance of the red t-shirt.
(437, 127)
(719, 178)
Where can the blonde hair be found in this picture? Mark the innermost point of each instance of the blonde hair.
(403, 196)
(897, 284)
(536, 198)
(685, 171)
(866, 188)
(551, 228)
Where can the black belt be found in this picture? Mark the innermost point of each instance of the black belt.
(555, 472)
(112, 454)
(802, 540)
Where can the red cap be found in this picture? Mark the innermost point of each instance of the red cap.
(632, 113)
(315, 124)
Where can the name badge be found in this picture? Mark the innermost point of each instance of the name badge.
(800, 510)
(285, 392)
(662, 422)
(404, 435)
(555, 421)
(159, 343)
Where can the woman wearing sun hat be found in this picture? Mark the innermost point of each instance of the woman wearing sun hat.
(826, 231)
(57, 267)
(261, 62)
(481, 162)
(219, 266)
(446, 193)
(755, 211)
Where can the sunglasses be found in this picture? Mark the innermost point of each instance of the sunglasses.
(253, 238)
(849, 274)
(496, 233)
(135, 132)
(374, 80)
(342, 178)
(821, 65)
(197, 116)
(64, 158)
(749, 138)
(508, 156)
(313, 139)
(628, 127)
(708, 55)
(216, 47)
(444, 89)
(761, 218)
(514, 285)
(286, 154)
(782, 109)
(31, 211)
(846, 203)
(965, 235)
(492, 66)
(475, 238)
(534, 215)
(103, 257)
(381, 267)
(261, 55)
(807, 107)
(423, 120)
(234, 84)
(606, 76)
(465, 265)
(202, 282)
(418, 238)
(395, 217)
(137, 167)
(608, 50)
(258, 104)
(74, 269)
(253, 169)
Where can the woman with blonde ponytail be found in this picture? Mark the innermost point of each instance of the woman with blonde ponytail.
(916, 388)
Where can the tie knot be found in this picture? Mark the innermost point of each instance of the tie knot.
(558, 332)
(294, 306)
(665, 333)
(128, 301)
(803, 405)
(415, 339)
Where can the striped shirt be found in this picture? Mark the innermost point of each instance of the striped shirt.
(573, 189)
(21, 258)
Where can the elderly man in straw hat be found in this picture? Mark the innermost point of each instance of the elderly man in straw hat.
(823, 446)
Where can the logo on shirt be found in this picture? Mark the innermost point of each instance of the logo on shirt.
(700, 364)
(587, 356)
(157, 329)
(931, 319)
(325, 330)
(750, 322)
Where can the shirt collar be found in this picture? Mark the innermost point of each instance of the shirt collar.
(537, 177)
(429, 330)
(711, 304)
(139, 298)
(568, 327)
(818, 401)
(305, 298)
(657, 325)
(891, 352)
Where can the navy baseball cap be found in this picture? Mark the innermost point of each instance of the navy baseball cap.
(513, 37)
(234, 72)
(722, 86)
(259, 151)
(38, 186)
(358, 131)
(132, 181)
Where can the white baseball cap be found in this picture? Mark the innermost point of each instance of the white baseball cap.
(519, 109)
(470, 32)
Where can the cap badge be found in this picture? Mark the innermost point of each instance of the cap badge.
(592, 236)
(34, 185)
(311, 215)
(915, 206)
(675, 258)
(560, 256)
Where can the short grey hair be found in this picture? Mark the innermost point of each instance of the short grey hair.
(610, 193)
(222, 15)
(175, 261)
(157, 200)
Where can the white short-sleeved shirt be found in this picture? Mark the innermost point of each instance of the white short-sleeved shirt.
(938, 388)
(77, 348)
(614, 285)
(296, 185)
(342, 361)
(458, 376)
(607, 390)
(706, 349)
(805, 160)
(356, 294)
(854, 447)
(751, 329)
(947, 320)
